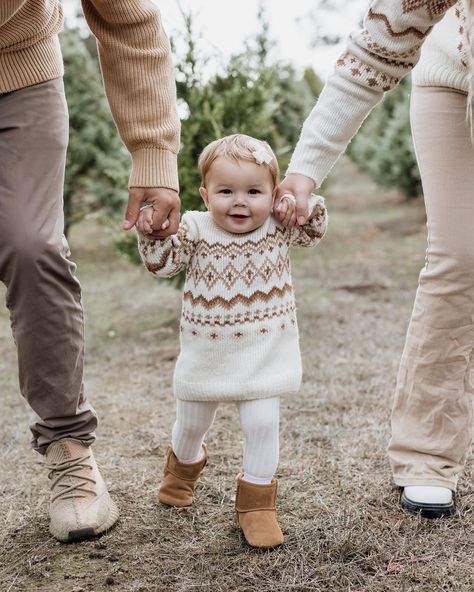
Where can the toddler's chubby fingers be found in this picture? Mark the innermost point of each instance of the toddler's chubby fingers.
(282, 210)
(290, 208)
(165, 225)
(145, 220)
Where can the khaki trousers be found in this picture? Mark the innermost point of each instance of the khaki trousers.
(43, 294)
(432, 413)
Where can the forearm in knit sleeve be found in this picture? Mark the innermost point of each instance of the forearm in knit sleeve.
(138, 75)
(167, 257)
(310, 234)
(374, 62)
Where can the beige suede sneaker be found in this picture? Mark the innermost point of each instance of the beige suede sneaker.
(80, 506)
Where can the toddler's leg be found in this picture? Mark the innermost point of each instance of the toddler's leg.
(193, 419)
(187, 455)
(260, 420)
(256, 489)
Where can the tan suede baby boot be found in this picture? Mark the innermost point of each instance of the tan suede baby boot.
(179, 481)
(256, 513)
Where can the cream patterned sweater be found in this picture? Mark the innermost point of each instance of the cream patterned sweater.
(395, 34)
(239, 337)
(136, 65)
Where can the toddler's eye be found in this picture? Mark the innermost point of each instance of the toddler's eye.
(225, 191)
(254, 191)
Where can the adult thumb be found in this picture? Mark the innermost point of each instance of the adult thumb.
(301, 207)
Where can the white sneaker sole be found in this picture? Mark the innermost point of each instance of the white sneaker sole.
(81, 534)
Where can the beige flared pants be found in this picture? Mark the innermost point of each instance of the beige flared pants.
(432, 413)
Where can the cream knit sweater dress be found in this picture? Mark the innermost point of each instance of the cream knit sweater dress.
(239, 337)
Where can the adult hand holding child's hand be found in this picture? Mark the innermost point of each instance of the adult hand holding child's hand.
(292, 214)
(154, 210)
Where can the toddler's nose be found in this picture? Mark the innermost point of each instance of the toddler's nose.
(239, 199)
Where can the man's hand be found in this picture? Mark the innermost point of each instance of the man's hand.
(158, 221)
(301, 187)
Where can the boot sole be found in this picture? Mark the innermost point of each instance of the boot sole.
(81, 534)
(430, 511)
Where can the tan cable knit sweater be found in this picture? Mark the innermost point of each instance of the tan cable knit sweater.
(239, 337)
(136, 66)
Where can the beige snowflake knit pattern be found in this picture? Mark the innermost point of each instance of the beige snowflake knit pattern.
(395, 34)
(239, 338)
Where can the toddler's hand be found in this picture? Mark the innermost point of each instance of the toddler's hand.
(286, 210)
(147, 218)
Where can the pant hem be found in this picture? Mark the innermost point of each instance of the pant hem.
(427, 481)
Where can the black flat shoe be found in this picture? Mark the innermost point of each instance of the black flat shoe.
(427, 510)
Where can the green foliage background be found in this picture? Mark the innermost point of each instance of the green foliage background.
(97, 165)
(249, 94)
(384, 147)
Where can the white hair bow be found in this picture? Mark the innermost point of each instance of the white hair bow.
(261, 155)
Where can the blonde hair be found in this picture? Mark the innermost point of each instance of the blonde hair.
(238, 147)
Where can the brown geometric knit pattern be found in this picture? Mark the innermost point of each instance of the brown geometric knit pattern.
(233, 280)
(460, 13)
(403, 25)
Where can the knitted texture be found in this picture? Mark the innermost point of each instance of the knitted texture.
(375, 60)
(136, 67)
(239, 337)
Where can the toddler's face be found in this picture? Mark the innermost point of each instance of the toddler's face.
(239, 194)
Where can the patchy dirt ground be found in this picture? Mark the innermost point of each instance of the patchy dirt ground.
(339, 511)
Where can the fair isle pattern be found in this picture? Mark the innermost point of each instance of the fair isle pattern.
(238, 306)
(376, 58)
(374, 16)
(386, 52)
(248, 317)
(460, 13)
(361, 70)
(399, 54)
(435, 8)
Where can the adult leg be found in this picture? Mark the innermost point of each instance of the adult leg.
(43, 294)
(432, 413)
(44, 299)
(255, 501)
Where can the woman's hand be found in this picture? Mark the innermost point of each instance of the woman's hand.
(301, 187)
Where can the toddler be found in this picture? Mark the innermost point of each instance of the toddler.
(239, 337)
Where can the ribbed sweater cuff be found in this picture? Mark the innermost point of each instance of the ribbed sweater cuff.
(154, 167)
(30, 65)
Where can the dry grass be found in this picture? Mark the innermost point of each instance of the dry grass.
(344, 530)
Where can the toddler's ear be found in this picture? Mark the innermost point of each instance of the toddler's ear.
(274, 193)
(205, 197)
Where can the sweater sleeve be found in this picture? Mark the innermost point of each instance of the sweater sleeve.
(374, 62)
(310, 234)
(166, 258)
(138, 75)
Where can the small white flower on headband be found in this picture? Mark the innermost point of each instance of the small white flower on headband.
(261, 154)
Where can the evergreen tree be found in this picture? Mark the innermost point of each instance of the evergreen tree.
(249, 95)
(97, 165)
(384, 147)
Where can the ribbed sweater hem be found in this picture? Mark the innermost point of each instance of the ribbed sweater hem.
(434, 72)
(154, 167)
(287, 384)
(30, 65)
